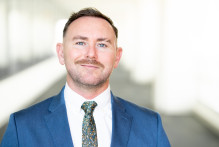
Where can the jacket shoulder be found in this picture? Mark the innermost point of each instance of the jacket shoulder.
(41, 107)
(36, 111)
(136, 110)
(146, 126)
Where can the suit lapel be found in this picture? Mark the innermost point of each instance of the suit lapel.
(121, 124)
(57, 122)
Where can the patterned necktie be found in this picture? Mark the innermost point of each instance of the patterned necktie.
(89, 134)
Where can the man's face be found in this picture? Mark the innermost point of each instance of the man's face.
(89, 52)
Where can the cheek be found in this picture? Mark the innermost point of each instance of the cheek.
(72, 55)
(108, 60)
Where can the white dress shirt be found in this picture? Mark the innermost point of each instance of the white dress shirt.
(102, 116)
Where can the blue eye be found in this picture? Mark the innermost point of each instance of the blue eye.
(80, 43)
(102, 45)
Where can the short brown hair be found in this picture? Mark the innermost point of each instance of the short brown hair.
(89, 12)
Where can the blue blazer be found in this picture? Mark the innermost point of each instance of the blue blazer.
(46, 125)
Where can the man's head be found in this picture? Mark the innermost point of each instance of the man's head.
(89, 51)
(89, 12)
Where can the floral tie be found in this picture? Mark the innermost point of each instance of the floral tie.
(89, 134)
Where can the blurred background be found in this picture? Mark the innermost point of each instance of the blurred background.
(170, 59)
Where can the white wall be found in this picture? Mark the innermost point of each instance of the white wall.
(27, 31)
(3, 38)
(175, 87)
(188, 69)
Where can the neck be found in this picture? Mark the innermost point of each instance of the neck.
(88, 93)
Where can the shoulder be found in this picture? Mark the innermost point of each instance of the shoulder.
(34, 111)
(145, 123)
(41, 108)
(137, 112)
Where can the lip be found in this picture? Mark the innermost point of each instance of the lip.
(89, 66)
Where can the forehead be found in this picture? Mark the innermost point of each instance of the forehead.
(93, 26)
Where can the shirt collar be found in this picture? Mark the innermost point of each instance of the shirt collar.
(74, 100)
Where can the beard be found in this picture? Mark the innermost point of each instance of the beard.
(86, 80)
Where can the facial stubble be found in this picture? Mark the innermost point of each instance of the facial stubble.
(79, 81)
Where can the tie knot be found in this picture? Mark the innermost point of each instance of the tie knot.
(88, 106)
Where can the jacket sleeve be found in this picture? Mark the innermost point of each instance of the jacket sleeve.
(162, 140)
(10, 138)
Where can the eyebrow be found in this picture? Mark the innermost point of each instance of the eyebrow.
(104, 39)
(86, 38)
(79, 37)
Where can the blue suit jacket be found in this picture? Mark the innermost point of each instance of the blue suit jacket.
(46, 125)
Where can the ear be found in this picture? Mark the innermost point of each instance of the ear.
(60, 53)
(118, 56)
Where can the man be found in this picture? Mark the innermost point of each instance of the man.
(89, 52)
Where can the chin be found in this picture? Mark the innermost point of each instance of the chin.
(94, 84)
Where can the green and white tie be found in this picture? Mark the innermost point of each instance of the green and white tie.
(89, 133)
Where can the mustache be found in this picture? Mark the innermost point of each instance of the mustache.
(89, 61)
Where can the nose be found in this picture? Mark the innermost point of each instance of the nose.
(92, 52)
